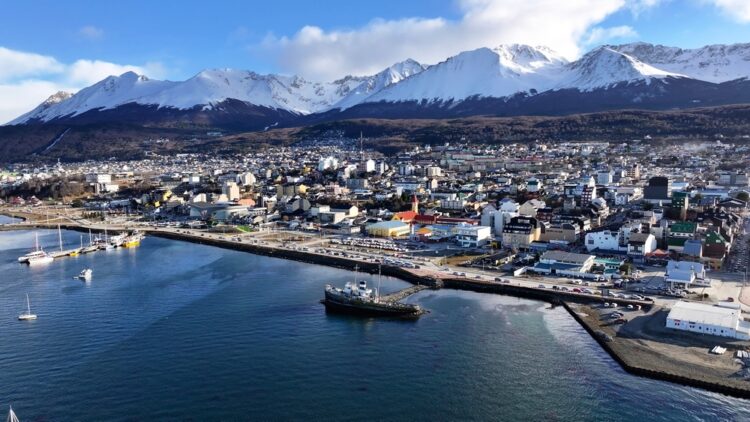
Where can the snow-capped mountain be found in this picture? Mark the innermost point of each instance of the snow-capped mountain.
(712, 63)
(376, 83)
(210, 88)
(506, 80)
(604, 67)
(498, 72)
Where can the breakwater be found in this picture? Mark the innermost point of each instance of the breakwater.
(555, 297)
(634, 364)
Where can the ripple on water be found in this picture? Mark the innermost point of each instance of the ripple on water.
(173, 330)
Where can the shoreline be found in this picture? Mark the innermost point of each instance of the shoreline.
(640, 365)
(412, 276)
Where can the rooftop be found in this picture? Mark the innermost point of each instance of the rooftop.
(700, 313)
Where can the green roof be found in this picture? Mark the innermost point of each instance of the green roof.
(676, 241)
(608, 261)
(713, 237)
(683, 227)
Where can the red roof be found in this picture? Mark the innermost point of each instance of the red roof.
(405, 216)
(425, 219)
(658, 253)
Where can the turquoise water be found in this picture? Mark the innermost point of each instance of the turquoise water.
(178, 331)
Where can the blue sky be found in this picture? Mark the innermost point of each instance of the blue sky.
(51, 45)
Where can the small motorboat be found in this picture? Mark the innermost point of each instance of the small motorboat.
(85, 274)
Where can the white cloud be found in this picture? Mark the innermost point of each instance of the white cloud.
(738, 10)
(86, 72)
(27, 79)
(18, 98)
(91, 32)
(562, 25)
(600, 35)
(15, 64)
(639, 6)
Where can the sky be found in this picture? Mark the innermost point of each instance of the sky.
(48, 46)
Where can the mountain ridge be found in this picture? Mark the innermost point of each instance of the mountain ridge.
(512, 79)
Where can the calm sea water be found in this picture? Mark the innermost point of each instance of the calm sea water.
(178, 331)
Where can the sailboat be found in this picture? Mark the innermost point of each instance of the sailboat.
(92, 247)
(28, 315)
(38, 256)
(106, 245)
(12, 415)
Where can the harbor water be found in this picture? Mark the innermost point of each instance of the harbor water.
(178, 331)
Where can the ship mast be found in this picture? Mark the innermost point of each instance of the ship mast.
(380, 275)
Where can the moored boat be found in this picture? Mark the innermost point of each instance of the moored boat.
(132, 240)
(357, 298)
(38, 254)
(43, 258)
(341, 300)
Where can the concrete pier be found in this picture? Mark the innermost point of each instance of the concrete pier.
(403, 293)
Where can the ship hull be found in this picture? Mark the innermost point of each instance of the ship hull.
(356, 307)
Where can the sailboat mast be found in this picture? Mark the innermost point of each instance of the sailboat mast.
(28, 303)
(380, 275)
(59, 236)
(91, 240)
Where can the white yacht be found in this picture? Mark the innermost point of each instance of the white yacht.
(40, 259)
(38, 256)
(27, 316)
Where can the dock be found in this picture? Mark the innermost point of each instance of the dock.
(403, 293)
(60, 254)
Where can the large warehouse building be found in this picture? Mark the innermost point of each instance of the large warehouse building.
(725, 321)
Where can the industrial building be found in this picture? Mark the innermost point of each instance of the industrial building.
(724, 320)
(393, 228)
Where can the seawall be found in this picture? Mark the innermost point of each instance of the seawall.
(633, 368)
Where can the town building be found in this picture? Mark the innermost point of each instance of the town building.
(723, 321)
(470, 236)
(683, 274)
(658, 190)
(565, 263)
(392, 228)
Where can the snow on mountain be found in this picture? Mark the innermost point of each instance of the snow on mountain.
(712, 63)
(376, 83)
(210, 87)
(53, 99)
(604, 67)
(107, 93)
(485, 72)
(501, 72)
